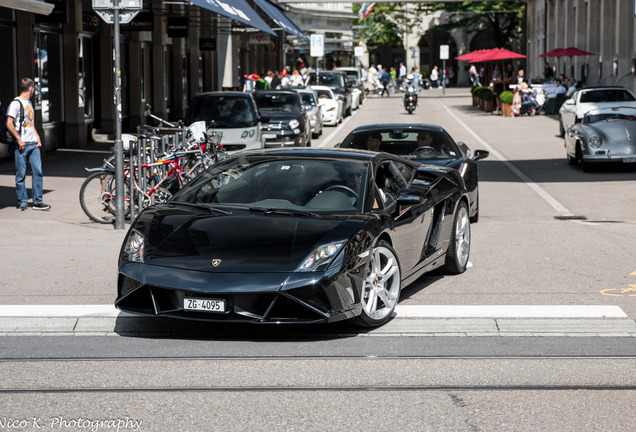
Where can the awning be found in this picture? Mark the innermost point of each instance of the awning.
(33, 6)
(281, 19)
(238, 10)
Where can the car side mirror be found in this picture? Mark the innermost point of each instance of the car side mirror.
(569, 102)
(481, 154)
(409, 197)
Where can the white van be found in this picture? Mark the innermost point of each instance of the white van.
(234, 115)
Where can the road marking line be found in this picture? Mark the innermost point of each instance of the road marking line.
(403, 311)
(563, 211)
(510, 311)
(333, 134)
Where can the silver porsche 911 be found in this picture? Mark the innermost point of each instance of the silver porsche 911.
(604, 135)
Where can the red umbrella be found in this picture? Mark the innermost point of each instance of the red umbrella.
(566, 52)
(470, 55)
(500, 54)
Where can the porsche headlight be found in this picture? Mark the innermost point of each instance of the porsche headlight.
(134, 247)
(293, 124)
(595, 141)
(321, 256)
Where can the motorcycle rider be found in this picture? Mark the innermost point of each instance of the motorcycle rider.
(409, 83)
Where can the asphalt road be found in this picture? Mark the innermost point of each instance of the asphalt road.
(405, 377)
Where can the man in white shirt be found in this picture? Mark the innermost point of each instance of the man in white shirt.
(26, 148)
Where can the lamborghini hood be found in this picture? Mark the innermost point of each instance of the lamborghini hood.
(243, 242)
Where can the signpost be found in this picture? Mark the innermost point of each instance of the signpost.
(443, 55)
(317, 47)
(118, 12)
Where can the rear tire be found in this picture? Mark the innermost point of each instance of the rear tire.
(561, 128)
(459, 248)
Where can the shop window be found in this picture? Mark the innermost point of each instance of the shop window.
(85, 77)
(8, 78)
(49, 83)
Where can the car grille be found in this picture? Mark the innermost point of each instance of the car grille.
(298, 305)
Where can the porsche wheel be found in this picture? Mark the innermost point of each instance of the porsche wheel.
(459, 248)
(382, 286)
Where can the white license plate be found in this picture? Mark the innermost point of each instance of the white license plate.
(204, 305)
(270, 136)
(629, 160)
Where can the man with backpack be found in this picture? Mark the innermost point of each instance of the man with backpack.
(20, 123)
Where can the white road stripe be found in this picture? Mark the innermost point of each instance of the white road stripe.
(333, 134)
(509, 311)
(403, 311)
(540, 191)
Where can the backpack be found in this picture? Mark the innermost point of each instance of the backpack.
(5, 136)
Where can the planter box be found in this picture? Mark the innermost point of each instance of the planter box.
(487, 105)
(475, 101)
(506, 109)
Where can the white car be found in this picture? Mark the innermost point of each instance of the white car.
(233, 116)
(332, 108)
(586, 99)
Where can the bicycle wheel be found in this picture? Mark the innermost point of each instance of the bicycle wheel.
(96, 195)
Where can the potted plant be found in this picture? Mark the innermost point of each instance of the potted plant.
(505, 99)
(486, 97)
(475, 91)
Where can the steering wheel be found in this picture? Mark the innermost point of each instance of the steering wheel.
(424, 150)
(346, 189)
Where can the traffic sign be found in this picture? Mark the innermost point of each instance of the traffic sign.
(125, 15)
(443, 52)
(317, 45)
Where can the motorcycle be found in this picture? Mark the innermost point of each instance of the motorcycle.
(410, 99)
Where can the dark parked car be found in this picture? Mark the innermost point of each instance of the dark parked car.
(337, 81)
(425, 144)
(288, 123)
(235, 118)
(295, 236)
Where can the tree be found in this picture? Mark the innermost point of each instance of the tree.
(503, 20)
(388, 22)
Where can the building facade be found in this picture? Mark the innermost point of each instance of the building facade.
(602, 27)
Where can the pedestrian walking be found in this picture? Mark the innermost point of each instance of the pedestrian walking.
(385, 78)
(26, 148)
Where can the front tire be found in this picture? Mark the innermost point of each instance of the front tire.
(459, 248)
(382, 287)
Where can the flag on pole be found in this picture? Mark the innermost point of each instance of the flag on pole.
(365, 10)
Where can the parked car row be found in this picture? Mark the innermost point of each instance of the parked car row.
(287, 117)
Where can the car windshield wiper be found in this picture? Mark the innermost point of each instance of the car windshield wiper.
(203, 207)
(284, 212)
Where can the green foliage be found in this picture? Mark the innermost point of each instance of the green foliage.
(485, 94)
(505, 97)
(386, 24)
(504, 19)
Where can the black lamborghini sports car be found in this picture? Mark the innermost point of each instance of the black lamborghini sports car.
(295, 236)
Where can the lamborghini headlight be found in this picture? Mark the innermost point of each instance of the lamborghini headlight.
(595, 141)
(321, 256)
(134, 247)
